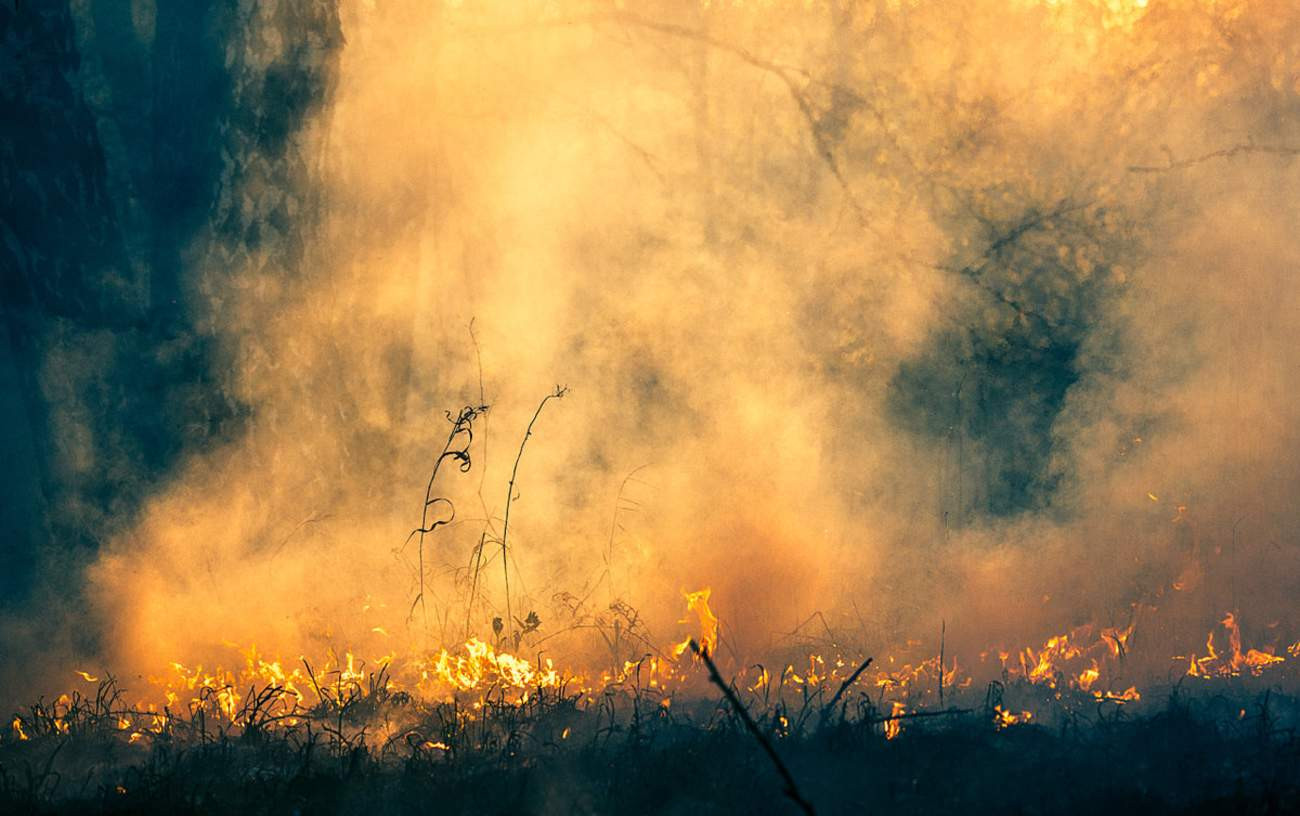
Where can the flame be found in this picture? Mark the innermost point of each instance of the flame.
(1236, 660)
(893, 727)
(482, 665)
(1257, 659)
(1086, 661)
(698, 602)
(1128, 695)
(1003, 718)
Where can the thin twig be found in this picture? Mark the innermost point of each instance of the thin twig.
(1225, 153)
(558, 393)
(788, 75)
(915, 715)
(943, 632)
(473, 588)
(822, 148)
(791, 789)
(845, 685)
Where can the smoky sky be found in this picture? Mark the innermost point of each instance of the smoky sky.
(897, 312)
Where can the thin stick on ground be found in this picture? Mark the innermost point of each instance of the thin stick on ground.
(791, 789)
(558, 393)
(920, 715)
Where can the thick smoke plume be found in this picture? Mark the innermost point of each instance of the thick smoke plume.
(980, 314)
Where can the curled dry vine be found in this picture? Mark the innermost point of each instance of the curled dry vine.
(457, 447)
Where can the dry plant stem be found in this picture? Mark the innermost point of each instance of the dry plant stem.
(943, 633)
(920, 715)
(789, 76)
(823, 149)
(1225, 153)
(791, 789)
(558, 393)
(473, 589)
(461, 425)
(845, 685)
(483, 443)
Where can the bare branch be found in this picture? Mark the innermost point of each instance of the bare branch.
(1225, 153)
(791, 789)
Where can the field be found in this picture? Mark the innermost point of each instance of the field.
(1204, 746)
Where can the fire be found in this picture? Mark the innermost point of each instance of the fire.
(1084, 663)
(1117, 639)
(482, 665)
(893, 727)
(1128, 695)
(1076, 660)
(1003, 718)
(1042, 667)
(1232, 664)
(698, 602)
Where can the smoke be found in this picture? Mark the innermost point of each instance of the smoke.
(897, 313)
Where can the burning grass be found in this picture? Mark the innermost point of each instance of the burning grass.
(364, 748)
(475, 728)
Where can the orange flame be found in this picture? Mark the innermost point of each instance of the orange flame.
(893, 727)
(698, 602)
